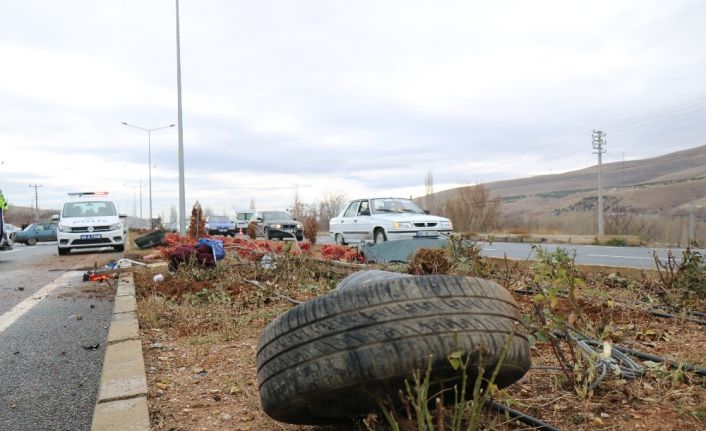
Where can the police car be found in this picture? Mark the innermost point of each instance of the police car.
(89, 220)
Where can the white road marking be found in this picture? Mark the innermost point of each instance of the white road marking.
(10, 317)
(620, 257)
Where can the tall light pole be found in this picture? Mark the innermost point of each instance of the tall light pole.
(598, 142)
(182, 193)
(149, 155)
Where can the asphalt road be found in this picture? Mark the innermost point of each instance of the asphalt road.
(622, 257)
(53, 331)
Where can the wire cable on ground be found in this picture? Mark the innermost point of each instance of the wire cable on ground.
(649, 356)
(617, 362)
(518, 415)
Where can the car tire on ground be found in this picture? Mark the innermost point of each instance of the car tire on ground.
(119, 248)
(31, 241)
(379, 235)
(340, 240)
(328, 359)
(300, 238)
(63, 251)
(267, 234)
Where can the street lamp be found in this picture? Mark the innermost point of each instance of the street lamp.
(149, 155)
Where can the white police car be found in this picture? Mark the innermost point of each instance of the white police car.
(89, 220)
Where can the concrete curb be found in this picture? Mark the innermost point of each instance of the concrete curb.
(122, 396)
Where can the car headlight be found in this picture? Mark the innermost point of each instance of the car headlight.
(401, 225)
(277, 226)
(116, 226)
(63, 228)
(446, 224)
(299, 225)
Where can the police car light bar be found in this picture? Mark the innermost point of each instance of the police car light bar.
(79, 194)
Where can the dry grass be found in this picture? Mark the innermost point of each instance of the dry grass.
(200, 329)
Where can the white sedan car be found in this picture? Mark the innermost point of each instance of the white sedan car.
(385, 219)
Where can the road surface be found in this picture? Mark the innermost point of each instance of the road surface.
(622, 257)
(53, 331)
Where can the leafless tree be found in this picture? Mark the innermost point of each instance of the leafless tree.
(329, 207)
(298, 208)
(429, 201)
(471, 209)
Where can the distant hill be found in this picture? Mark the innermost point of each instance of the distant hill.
(664, 184)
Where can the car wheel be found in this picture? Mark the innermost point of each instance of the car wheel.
(31, 241)
(267, 234)
(63, 251)
(333, 357)
(300, 238)
(119, 247)
(340, 240)
(379, 236)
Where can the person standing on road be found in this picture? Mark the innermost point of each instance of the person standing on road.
(4, 241)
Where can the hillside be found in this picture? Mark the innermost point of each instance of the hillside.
(664, 184)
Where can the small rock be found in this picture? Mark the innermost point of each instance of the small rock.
(216, 397)
(605, 415)
(156, 346)
(20, 288)
(162, 386)
(162, 358)
(151, 369)
(226, 417)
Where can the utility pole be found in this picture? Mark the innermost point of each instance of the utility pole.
(182, 191)
(36, 200)
(599, 140)
(692, 237)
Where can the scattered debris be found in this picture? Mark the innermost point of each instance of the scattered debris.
(157, 278)
(92, 346)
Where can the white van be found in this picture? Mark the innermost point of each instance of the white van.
(242, 220)
(87, 220)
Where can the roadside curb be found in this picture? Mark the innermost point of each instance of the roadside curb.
(122, 395)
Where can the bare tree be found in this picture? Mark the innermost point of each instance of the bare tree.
(471, 209)
(252, 204)
(173, 214)
(429, 201)
(298, 208)
(329, 207)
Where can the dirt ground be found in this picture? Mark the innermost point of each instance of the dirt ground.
(200, 331)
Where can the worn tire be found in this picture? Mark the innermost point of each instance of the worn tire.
(339, 239)
(31, 241)
(330, 358)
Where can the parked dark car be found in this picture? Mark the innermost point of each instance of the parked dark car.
(279, 224)
(36, 232)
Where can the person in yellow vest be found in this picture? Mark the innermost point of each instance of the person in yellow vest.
(4, 241)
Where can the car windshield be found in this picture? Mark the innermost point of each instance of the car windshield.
(218, 219)
(244, 216)
(88, 209)
(29, 228)
(395, 205)
(276, 215)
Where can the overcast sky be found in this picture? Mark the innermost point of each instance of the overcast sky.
(354, 97)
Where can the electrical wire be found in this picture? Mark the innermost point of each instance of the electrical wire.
(520, 416)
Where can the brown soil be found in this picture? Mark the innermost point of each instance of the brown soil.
(201, 374)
